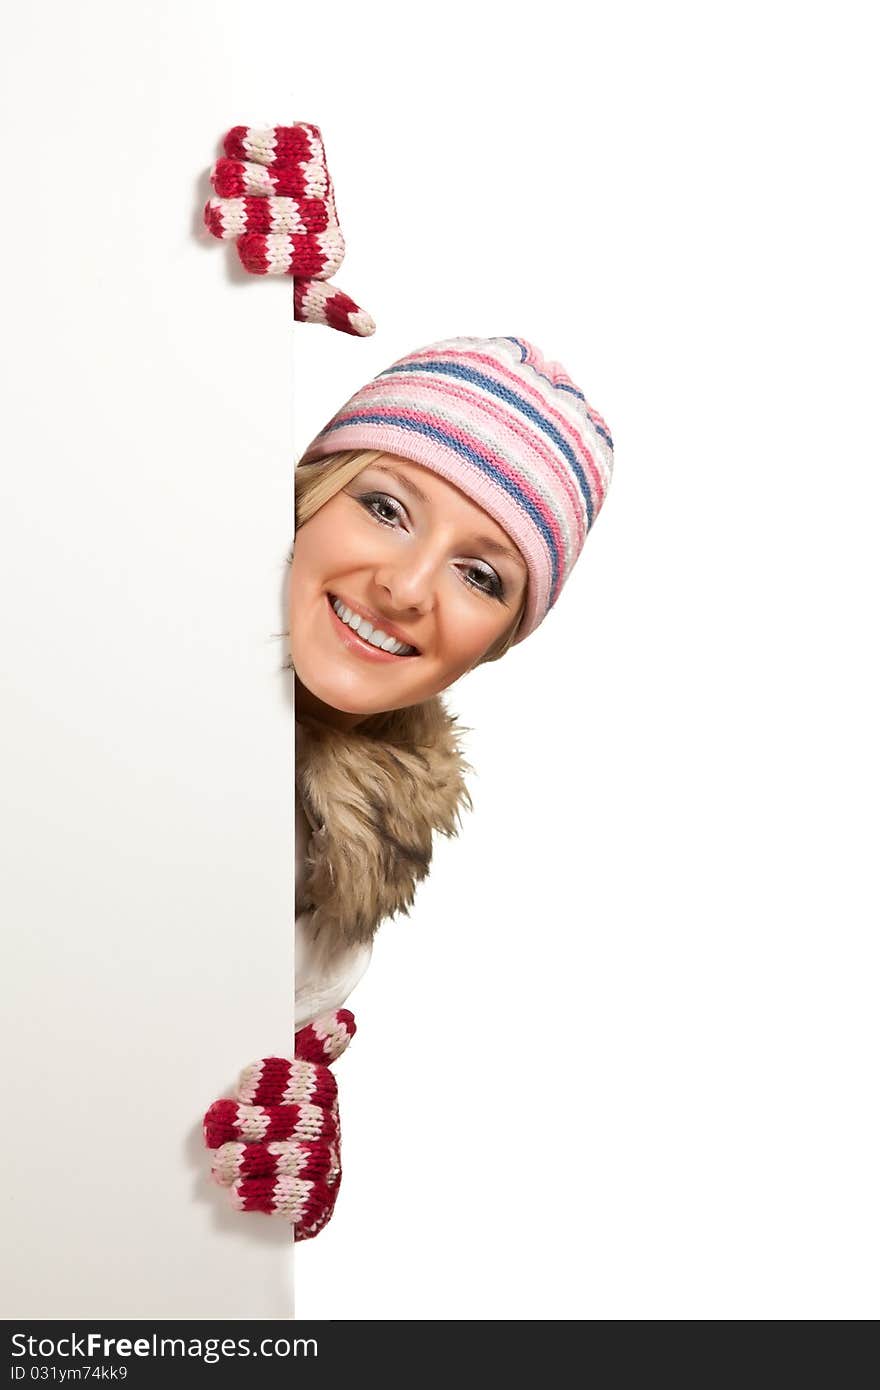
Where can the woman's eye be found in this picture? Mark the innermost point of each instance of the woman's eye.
(382, 507)
(486, 580)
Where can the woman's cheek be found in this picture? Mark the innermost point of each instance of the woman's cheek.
(475, 623)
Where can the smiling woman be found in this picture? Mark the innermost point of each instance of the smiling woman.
(399, 584)
(438, 516)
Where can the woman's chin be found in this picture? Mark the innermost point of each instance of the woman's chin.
(357, 696)
(340, 697)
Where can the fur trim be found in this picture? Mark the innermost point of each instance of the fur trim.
(374, 796)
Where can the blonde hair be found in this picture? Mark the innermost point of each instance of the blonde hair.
(315, 483)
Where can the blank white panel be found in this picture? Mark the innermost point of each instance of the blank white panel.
(147, 730)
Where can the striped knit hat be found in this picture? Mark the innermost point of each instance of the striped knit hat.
(509, 429)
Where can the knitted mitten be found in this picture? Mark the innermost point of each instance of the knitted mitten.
(275, 199)
(277, 1143)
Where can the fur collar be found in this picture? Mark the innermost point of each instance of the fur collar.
(374, 797)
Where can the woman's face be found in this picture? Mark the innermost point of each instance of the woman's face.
(409, 557)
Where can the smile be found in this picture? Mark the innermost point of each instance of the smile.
(359, 634)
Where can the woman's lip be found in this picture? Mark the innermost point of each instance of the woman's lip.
(357, 644)
(375, 620)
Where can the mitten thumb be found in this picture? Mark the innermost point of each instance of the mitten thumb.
(317, 301)
(326, 1038)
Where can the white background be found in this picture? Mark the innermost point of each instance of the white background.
(621, 1062)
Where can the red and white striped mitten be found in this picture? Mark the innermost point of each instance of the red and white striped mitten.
(275, 200)
(277, 1142)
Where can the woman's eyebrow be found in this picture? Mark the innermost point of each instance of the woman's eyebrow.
(485, 542)
(404, 482)
(496, 548)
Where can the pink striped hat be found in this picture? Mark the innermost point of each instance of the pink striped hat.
(509, 429)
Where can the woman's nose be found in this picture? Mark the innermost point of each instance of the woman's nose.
(409, 582)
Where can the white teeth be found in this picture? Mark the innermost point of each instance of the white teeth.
(365, 630)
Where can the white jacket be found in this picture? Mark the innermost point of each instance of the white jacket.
(370, 802)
